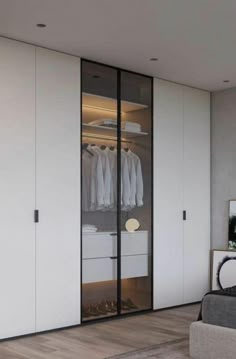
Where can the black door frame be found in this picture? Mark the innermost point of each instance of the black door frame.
(119, 280)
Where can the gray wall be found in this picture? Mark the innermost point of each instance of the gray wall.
(223, 163)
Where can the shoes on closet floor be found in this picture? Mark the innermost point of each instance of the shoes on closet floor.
(131, 304)
(86, 311)
(124, 305)
(106, 308)
(127, 304)
(110, 306)
(101, 309)
(93, 311)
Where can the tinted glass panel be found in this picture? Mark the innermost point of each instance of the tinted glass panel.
(99, 191)
(136, 194)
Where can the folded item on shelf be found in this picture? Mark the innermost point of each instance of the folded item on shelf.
(132, 129)
(104, 122)
(110, 122)
(131, 123)
(131, 126)
(88, 228)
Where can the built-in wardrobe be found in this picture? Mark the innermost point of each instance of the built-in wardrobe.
(104, 187)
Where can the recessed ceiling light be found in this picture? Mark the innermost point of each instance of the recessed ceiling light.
(226, 81)
(153, 59)
(41, 25)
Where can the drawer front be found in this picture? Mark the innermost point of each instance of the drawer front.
(98, 270)
(134, 266)
(134, 243)
(99, 245)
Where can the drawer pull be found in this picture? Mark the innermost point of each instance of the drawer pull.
(113, 234)
(113, 257)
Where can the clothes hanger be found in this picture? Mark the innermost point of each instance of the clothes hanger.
(85, 148)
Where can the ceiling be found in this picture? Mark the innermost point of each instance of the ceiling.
(193, 39)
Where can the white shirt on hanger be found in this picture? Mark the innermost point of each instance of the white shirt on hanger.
(97, 182)
(106, 176)
(132, 179)
(125, 182)
(139, 179)
(112, 155)
(86, 180)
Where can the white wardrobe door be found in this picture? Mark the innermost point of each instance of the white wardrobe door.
(196, 193)
(17, 188)
(58, 181)
(168, 194)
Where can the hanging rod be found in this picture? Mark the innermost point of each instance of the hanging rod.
(104, 137)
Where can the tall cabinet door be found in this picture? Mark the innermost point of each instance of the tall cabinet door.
(17, 188)
(136, 202)
(168, 194)
(57, 195)
(196, 193)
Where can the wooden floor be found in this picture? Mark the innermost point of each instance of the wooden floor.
(108, 339)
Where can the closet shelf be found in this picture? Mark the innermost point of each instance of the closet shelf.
(97, 102)
(109, 132)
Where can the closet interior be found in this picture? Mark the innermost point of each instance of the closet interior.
(116, 202)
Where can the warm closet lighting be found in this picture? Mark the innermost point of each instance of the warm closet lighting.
(105, 137)
(91, 107)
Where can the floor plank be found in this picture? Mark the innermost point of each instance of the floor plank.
(109, 339)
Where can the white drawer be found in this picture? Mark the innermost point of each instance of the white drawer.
(104, 269)
(134, 243)
(98, 245)
(134, 266)
(98, 270)
(104, 244)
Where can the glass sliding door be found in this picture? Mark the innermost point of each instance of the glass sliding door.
(116, 200)
(136, 195)
(99, 191)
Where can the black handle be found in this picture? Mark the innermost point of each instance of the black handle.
(184, 215)
(36, 216)
(113, 234)
(113, 257)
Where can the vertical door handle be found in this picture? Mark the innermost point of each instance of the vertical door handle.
(184, 215)
(36, 216)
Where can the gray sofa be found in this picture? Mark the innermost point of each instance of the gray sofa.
(209, 341)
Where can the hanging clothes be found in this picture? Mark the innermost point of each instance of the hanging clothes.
(92, 181)
(125, 182)
(132, 180)
(105, 177)
(99, 179)
(139, 179)
(112, 155)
